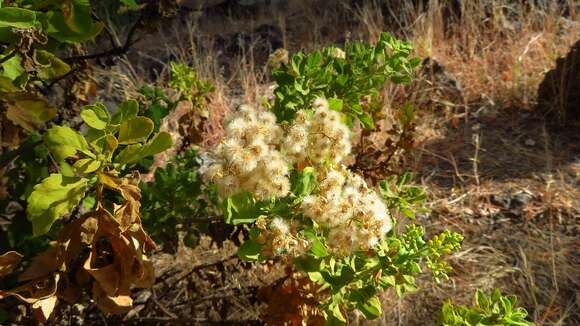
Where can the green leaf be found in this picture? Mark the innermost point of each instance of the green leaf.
(129, 154)
(136, 152)
(371, 309)
(366, 120)
(66, 169)
(17, 17)
(335, 104)
(54, 197)
(240, 209)
(64, 142)
(87, 165)
(304, 182)
(135, 130)
(89, 202)
(125, 111)
(51, 66)
(131, 4)
(61, 31)
(96, 116)
(78, 16)
(250, 251)
(307, 263)
(111, 144)
(161, 142)
(388, 281)
(12, 68)
(6, 84)
(481, 300)
(336, 313)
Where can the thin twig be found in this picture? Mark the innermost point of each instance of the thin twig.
(114, 52)
(162, 307)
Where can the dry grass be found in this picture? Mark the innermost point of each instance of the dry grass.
(472, 150)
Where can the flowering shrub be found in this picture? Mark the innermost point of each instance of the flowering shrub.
(284, 172)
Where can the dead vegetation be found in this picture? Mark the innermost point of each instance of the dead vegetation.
(494, 169)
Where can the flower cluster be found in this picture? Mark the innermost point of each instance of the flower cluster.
(248, 159)
(354, 215)
(322, 138)
(255, 157)
(279, 238)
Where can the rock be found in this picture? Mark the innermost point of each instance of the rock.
(439, 88)
(559, 92)
(520, 199)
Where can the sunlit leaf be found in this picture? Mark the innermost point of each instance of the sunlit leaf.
(87, 165)
(17, 17)
(161, 142)
(135, 130)
(64, 142)
(96, 116)
(54, 197)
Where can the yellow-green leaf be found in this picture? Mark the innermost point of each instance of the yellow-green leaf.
(111, 145)
(17, 17)
(129, 154)
(125, 111)
(161, 142)
(87, 165)
(135, 130)
(52, 66)
(96, 116)
(54, 197)
(64, 142)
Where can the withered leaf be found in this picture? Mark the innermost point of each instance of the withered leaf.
(42, 265)
(8, 262)
(109, 180)
(119, 304)
(69, 292)
(29, 112)
(107, 277)
(35, 290)
(88, 230)
(43, 308)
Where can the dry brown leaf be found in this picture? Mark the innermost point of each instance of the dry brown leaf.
(293, 302)
(69, 292)
(120, 304)
(108, 276)
(35, 290)
(3, 185)
(8, 262)
(42, 265)
(29, 112)
(88, 230)
(11, 135)
(43, 308)
(109, 180)
(147, 277)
